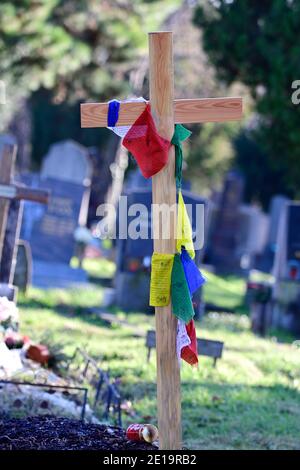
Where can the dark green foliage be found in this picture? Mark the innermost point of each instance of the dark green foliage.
(75, 47)
(255, 42)
(54, 122)
(262, 179)
(63, 52)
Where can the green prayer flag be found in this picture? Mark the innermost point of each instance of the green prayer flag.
(181, 300)
(180, 134)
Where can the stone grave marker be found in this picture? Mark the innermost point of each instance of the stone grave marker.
(224, 255)
(23, 266)
(286, 270)
(252, 236)
(277, 207)
(66, 173)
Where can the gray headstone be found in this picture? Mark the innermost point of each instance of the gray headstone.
(50, 230)
(277, 207)
(224, 254)
(67, 161)
(252, 234)
(23, 269)
(286, 292)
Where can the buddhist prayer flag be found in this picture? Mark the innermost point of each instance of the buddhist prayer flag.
(182, 338)
(149, 149)
(189, 353)
(184, 229)
(192, 273)
(180, 134)
(172, 276)
(181, 299)
(160, 284)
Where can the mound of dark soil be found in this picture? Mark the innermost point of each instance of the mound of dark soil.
(52, 433)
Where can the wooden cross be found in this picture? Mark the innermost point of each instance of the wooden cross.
(11, 195)
(166, 111)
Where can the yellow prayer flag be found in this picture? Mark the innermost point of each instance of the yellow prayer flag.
(160, 285)
(184, 229)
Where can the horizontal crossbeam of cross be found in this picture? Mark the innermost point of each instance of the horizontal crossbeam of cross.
(19, 192)
(185, 111)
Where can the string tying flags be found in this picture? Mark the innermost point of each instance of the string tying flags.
(149, 149)
(180, 135)
(192, 273)
(160, 284)
(184, 229)
(181, 300)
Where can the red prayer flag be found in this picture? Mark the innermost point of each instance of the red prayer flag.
(190, 353)
(148, 148)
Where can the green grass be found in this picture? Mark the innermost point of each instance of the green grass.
(227, 291)
(249, 401)
(96, 268)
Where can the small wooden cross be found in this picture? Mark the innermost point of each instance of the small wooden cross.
(166, 111)
(11, 195)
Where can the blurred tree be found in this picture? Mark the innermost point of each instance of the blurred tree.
(209, 155)
(76, 49)
(208, 152)
(79, 48)
(255, 42)
(263, 180)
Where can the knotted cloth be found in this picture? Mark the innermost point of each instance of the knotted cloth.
(180, 134)
(149, 149)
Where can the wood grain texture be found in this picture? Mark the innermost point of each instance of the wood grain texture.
(164, 192)
(185, 111)
(8, 151)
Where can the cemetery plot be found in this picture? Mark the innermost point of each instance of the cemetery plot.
(245, 387)
(166, 112)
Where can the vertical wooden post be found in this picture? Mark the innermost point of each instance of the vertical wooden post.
(164, 192)
(8, 151)
(10, 247)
